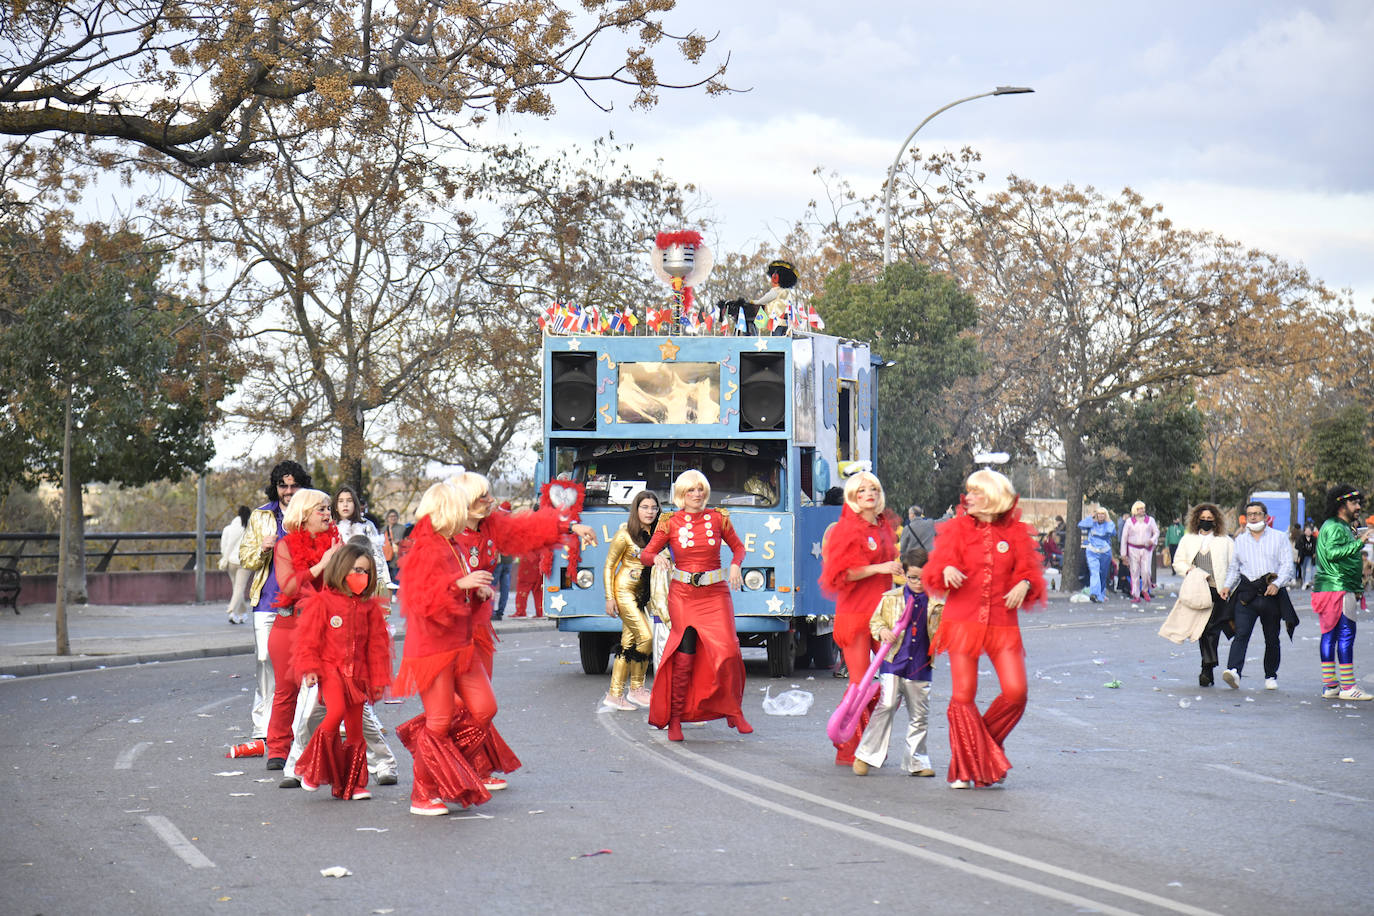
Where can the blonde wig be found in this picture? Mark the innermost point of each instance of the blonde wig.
(685, 481)
(471, 486)
(851, 490)
(302, 504)
(446, 507)
(996, 487)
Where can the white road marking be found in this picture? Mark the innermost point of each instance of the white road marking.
(1256, 777)
(177, 841)
(233, 698)
(660, 755)
(125, 761)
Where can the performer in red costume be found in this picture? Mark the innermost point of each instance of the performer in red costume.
(342, 645)
(437, 600)
(487, 533)
(857, 566)
(529, 581)
(701, 673)
(985, 559)
(299, 560)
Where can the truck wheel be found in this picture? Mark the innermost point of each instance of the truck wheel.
(595, 649)
(782, 656)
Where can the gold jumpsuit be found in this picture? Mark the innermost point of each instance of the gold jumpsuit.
(622, 574)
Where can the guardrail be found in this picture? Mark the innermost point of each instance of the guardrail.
(108, 551)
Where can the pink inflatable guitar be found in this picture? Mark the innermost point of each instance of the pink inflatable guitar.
(856, 697)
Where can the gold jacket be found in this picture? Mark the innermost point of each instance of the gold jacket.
(262, 524)
(622, 559)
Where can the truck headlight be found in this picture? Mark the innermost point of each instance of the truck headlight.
(584, 579)
(754, 579)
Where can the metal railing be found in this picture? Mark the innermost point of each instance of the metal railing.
(36, 554)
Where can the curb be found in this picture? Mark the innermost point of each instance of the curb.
(61, 665)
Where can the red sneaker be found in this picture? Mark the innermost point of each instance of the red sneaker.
(494, 783)
(431, 808)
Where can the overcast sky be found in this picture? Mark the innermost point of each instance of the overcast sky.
(1251, 118)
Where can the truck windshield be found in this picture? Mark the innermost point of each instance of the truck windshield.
(741, 474)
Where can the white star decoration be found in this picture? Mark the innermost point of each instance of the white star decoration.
(575, 343)
(761, 343)
(775, 605)
(773, 524)
(558, 603)
(816, 549)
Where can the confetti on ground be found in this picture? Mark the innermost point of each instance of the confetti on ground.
(230, 773)
(372, 829)
(240, 794)
(588, 855)
(335, 871)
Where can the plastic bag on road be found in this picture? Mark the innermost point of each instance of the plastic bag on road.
(787, 703)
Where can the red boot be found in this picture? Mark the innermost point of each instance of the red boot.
(682, 682)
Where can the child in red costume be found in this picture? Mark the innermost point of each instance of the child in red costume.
(701, 673)
(858, 562)
(299, 561)
(485, 535)
(343, 645)
(986, 560)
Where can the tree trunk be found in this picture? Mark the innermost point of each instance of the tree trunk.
(1073, 512)
(351, 449)
(64, 646)
(74, 557)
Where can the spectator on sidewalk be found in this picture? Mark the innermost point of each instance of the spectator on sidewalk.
(1172, 535)
(1256, 586)
(1139, 537)
(393, 533)
(917, 531)
(1307, 554)
(1097, 546)
(505, 563)
(229, 540)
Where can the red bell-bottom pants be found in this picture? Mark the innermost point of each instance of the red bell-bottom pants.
(975, 741)
(281, 643)
(327, 760)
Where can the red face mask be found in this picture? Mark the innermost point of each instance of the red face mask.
(357, 582)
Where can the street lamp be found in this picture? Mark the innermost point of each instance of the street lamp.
(892, 170)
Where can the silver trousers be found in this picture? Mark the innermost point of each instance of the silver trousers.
(265, 681)
(310, 713)
(872, 748)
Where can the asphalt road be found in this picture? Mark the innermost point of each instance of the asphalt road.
(1154, 797)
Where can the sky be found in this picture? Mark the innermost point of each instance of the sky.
(1252, 119)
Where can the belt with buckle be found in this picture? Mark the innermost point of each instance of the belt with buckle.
(710, 577)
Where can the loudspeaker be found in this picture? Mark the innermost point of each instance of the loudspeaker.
(762, 392)
(572, 391)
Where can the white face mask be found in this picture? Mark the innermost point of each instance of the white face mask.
(1255, 526)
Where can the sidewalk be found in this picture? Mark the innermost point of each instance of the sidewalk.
(107, 636)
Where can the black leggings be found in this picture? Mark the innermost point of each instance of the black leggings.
(688, 643)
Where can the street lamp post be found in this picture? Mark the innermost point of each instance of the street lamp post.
(892, 169)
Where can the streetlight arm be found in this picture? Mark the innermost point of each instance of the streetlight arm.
(897, 160)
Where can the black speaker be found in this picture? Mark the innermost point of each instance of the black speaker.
(762, 392)
(572, 392)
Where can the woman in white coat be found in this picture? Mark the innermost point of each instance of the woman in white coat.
(229, 540)
(1206, 547)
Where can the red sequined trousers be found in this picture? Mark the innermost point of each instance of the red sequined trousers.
(328, 759)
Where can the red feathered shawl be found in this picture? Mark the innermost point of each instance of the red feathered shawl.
(305, 550)
(1006, 547)
(847, 548)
